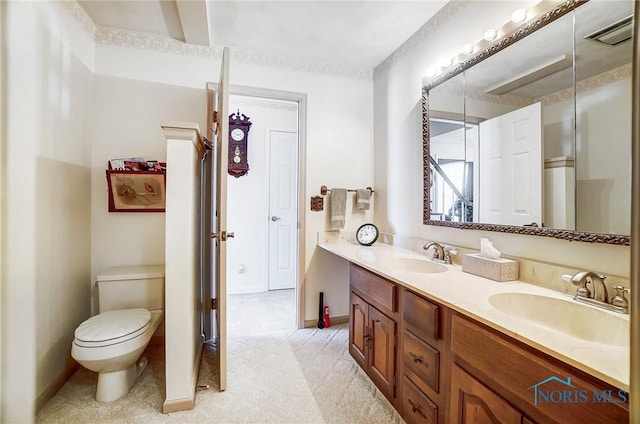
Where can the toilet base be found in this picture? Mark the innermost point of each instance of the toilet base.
(114, 385)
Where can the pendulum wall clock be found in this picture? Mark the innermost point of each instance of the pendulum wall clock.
(239, 126)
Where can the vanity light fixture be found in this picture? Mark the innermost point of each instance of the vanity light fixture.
(519, 15)
(432, 73)
(490, 35)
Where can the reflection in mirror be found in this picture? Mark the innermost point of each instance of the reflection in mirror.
(451, 192)
(540, 136)
(603, 116)
(522, 130)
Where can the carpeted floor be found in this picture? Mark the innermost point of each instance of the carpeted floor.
(276, 374)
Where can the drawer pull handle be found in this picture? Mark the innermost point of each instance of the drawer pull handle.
(415, 408)
(418, 359)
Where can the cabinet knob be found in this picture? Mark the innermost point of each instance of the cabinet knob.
(418, 359)
(416, 408)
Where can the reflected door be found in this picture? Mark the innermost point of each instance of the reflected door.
(510, 189)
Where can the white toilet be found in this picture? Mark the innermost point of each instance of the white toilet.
(131, 303)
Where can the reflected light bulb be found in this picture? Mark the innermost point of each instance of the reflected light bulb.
(466, 49)
(518, 16)
(490, 34)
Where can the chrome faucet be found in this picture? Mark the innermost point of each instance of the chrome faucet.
(599, 297)
(440, 253)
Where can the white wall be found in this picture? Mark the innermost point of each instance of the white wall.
(248, 195)
(398, 144)
(46, 192)
(127, 121)
(603, 159)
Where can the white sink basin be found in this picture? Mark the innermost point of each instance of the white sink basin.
(566, 316)
(419, 266)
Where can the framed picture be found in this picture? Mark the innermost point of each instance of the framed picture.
(136, 191)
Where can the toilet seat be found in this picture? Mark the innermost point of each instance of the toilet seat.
(112, 327)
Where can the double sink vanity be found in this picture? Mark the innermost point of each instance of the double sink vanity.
(447, 346)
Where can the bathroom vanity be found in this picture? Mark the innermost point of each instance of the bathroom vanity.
(434, 341)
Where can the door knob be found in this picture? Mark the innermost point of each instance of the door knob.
(275, 218)
(223, 235)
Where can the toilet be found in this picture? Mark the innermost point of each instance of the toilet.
(131, 303)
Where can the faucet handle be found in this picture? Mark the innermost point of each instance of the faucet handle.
(619, 299)
(448, 252)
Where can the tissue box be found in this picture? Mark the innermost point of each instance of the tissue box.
(494, 269)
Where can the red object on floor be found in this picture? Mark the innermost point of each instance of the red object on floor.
(327, 323)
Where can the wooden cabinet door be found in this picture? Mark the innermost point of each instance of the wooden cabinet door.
(473, 403)
(382, 354)
(358, 331)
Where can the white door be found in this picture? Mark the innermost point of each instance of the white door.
(220, 232)
(283, 201)
(510, 189)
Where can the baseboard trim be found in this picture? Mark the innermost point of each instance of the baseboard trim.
(196, 368)
(185, 404)
(334, 320)
(56, 385)
(176, 405)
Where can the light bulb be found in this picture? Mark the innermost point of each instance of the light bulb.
(431, 73)
(518, 16)
(490, 34)
(466, 49)
(445, 63)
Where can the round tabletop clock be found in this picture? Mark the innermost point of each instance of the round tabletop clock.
(367, 234)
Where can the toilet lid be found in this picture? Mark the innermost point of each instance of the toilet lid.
(112, 327)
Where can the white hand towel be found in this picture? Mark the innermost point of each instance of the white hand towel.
(363, 198)
(338, 207)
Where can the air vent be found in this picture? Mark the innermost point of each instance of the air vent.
(615, 33)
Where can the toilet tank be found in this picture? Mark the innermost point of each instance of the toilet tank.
(130, 287)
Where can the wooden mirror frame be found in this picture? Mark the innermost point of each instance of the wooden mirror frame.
(510, 38)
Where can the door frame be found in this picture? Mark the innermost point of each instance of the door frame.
(301, 99)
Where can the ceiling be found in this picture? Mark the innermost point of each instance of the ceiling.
(345, 33)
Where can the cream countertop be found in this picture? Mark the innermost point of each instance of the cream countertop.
(469, 295)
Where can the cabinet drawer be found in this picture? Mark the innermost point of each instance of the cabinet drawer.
(416, 406)
(375, 288)
(517, 372)
(421, 317)
(421, 359)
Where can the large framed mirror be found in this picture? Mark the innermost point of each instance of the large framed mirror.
(532, 134)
